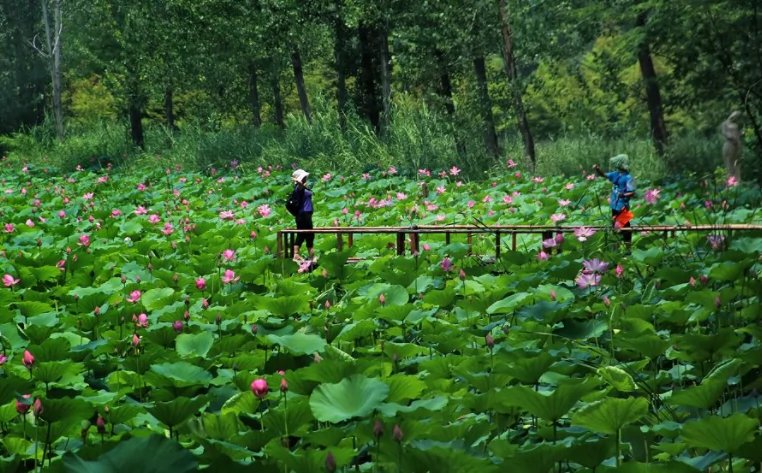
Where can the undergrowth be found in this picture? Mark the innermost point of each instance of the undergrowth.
(418, 137)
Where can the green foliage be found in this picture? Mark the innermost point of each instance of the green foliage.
(462, 365)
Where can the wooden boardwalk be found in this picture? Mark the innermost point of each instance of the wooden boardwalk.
(286, 237)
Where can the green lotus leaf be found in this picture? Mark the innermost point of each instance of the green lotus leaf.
(721, 434)
(175, 412)
(356, 396)
(618, 378)
(156, 298)
(183, 374)
(551, 406)
(154, 454)
(610, 415)
(299, 343)
(190, 345)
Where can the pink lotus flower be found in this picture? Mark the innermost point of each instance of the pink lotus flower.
(542, 256)
(140, 210)
(228, 255)
(134, 297)
(564, 203)
(9, 281)
(553, 295)
(587, 279)
(114, 213)
(619, 271)
(228, 215)
(732, 181)
(259, 388)
(135, 340)
(201, 284)
(595, 266)
(381, 299)
(141, 187)
(583, 233)
(507, 199)
(29, 222)
(21, 407)
(61, 214)
(168, 229)
(426, 247)
(28, 360)
(142, 320)
(569, 186)
(3, 359)
(555, 218)
(511, 163)
(9, 228)
(454, 171)
(264, 210)
(446, 264)
(230, 277)
(652, 195)
(154, 219)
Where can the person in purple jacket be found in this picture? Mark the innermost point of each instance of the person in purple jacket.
(304, 217)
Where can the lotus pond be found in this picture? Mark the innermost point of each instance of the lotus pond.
(146, 325)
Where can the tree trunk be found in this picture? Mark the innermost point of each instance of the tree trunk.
(277, 100)
(256, 114)
(488, 121)
(510, 72)
(169, 108)
(653, 95)
(369, 95)
(341, 79)
(136, 125)
(296, 61)
(445, 91)
(53, 40)
(386, 75)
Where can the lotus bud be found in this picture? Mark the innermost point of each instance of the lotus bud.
(397, 433)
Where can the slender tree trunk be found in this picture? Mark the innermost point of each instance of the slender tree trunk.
(653, 95)
(445, 91)
(386, 75)
(369, 103)
(296, 62)
(340, 34)
(488, 121)
(341, 79)
(136, 125)
(256, 114)
(53, 39)
(277, 100)
(510, 72)
(169, 108)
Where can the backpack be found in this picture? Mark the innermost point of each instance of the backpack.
(294, 202)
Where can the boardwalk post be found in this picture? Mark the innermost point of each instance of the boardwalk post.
(447, 238)
(400, 243)
(513, 241)
(339, 241)
(350, 239)
(470, 244)
(414, 242)
(280, 244)
(497, 245)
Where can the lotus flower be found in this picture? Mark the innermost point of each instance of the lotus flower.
(28, 360)
(230, 277)
(23, 408)
(134, 297)
(259, 388)
(9, 280)
(201, 284)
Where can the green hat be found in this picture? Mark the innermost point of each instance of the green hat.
(620, 162)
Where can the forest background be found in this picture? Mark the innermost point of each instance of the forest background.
(555, 85)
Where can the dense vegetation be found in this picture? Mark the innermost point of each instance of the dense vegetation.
(365, 82)
(146, 326)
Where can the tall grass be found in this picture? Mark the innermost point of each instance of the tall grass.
(418, 137)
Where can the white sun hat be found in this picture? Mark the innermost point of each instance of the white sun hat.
(300, 174)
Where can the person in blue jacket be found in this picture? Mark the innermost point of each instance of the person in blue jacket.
(304, 217)
(622, 191)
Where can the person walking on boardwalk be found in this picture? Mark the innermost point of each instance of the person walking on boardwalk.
(304, 215)
(622, 191)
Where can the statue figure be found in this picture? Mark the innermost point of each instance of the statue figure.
(731, 150)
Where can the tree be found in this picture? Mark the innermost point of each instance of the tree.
(52, 52)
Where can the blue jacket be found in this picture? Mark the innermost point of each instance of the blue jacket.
(623, 182)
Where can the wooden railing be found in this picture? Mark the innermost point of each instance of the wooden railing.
(287, 237)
